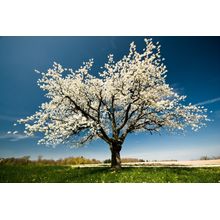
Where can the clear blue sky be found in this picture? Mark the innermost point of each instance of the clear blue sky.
(193, 69)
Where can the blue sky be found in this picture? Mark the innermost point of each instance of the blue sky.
(193, 70)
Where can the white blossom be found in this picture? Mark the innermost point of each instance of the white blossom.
(130, 95)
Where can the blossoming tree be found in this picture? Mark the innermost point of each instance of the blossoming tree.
(130, 95)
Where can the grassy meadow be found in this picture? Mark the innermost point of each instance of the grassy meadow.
(35, 173)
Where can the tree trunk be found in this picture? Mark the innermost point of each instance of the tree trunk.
(116, 159)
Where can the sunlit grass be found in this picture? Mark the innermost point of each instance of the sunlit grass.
(68, 174)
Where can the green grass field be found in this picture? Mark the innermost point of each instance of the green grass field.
(67, 174)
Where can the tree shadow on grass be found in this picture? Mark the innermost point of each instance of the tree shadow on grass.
(85, 174)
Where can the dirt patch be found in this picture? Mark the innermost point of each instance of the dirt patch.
(189, 163)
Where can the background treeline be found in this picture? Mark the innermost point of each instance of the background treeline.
(65, 161)
(209, 158)
(40, 160)
(127, 160)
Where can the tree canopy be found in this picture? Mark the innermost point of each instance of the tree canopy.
(129, 95)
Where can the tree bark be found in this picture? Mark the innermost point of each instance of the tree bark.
(115, 157)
